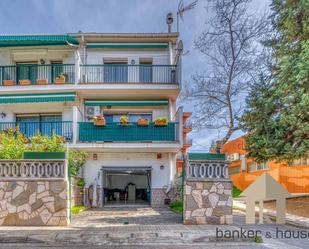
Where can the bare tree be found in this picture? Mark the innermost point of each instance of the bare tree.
(231, 45)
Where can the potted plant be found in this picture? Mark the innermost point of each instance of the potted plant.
(124, 120)
(143, 122)
(41, 81)
(161, 121)
(60, 79)
(9, 82)
(25, 82)
(99, 121)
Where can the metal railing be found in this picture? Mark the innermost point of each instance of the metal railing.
(122, 73)
(114, 132)
(30, 129)
(33, 74)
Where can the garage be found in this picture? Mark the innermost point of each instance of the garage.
(126, 185)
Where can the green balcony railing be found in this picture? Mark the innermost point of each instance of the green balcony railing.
(123, 73)
(33, 74)
(114, 132)
(30, 129)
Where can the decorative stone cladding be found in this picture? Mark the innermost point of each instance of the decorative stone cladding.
(157, 197)
(34, 193)
(207, 190)
(208, 201)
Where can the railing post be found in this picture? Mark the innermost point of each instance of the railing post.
(74, 125)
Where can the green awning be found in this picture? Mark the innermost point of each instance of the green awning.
(35, 40)
(206, 156)
(127, 45)
(37, 98)
(126, 102)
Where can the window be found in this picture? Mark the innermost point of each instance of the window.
(27, 71)
(234, 170)
(257, 166)
(115, 70)
(46, 124)
(145, 70)
(300, 161)
(133, 117)
(56, 69)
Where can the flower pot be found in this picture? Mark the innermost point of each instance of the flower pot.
(41, 82)
(9, 82)
(60, 81)
(99, 122)
(25, 82)
(124, 123)
(160, 123)
(143, 122)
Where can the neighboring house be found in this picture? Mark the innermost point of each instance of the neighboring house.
(243, 170)
(57, 83)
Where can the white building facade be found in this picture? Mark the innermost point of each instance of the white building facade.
(58, 83)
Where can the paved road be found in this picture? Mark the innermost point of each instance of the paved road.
(147, 228)
(210, 246)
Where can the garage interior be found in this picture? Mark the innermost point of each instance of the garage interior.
(126, 185)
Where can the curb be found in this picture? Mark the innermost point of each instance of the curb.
(18, 239)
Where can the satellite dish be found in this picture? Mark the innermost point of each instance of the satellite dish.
(180, 46)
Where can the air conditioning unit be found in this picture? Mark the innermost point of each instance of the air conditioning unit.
(92, 111)
(233, 157)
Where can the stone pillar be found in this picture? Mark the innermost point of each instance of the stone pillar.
(207, 201)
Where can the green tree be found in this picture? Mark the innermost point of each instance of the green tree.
(76, 160)
(277, 117)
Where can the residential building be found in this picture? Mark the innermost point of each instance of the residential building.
(58, 83)
(244, 170)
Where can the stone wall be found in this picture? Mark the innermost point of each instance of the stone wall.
(33, 203)
(157, 197)
(208, 201)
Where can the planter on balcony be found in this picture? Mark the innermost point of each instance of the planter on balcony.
(60, 80)
(143, 122)
(124, 120)
(161, 122)
(99, 121)
(42, 81)
(25, 82)
(9, 82)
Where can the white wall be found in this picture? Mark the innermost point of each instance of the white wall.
(160, 111)
(159, 57)
(27, 108)
(159, 177)
(10, 55)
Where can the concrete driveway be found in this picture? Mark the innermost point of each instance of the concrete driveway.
(125, 216)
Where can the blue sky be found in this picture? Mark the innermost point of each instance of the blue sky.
(62, 16)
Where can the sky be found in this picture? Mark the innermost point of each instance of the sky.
(111, 16)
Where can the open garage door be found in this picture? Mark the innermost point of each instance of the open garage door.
(126, 185)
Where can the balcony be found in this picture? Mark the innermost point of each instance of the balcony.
(30, 129)
(114, 132)
(33, 74)
(114, 73)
